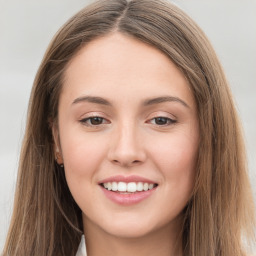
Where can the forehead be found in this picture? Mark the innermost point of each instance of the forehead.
(125, 67)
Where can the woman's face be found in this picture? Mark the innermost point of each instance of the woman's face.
(127, 121)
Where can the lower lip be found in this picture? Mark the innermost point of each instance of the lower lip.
(127, 199)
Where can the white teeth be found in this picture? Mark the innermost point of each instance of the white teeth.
(121, 186)
(114, 186)
(128, 187)
(145, 186)
(139, 186)
(131, 187)
(150, 186)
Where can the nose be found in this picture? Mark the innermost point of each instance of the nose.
(126, 147)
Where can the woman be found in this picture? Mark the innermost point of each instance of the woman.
(133, 140)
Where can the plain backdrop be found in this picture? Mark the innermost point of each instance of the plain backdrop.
(27, 26)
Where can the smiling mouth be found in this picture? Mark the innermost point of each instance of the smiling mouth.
(127, 188)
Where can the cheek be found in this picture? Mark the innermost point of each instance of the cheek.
(176, 152)
(82, 153)
(176, 158)
(82, 156)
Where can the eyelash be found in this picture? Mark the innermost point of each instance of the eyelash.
(167, 119)
(84, 121)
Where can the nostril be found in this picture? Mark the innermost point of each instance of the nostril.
(126, 162)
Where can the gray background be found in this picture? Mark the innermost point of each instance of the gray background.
(27, 26)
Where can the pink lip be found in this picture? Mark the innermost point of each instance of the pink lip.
(131, 178)
(130, 198)
(127, 199)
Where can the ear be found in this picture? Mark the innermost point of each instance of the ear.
(57, 152)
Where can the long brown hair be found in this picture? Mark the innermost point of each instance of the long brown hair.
(47, 221)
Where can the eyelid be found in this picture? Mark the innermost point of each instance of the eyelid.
(162, 114)
(171, 120)
(90, 115)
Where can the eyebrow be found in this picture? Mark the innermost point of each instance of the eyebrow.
(147, 102)
(162, 99)
(92, 99)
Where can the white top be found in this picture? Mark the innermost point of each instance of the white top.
(81, 249)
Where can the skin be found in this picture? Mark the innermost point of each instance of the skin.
(128, 141)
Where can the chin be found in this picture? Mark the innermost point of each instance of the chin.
(134, 227)
(129, 231)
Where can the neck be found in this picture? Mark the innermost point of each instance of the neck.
(160, 242)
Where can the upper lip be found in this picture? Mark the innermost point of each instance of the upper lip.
(126, 179)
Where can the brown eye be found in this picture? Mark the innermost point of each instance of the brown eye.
(93, 121)
(96, 120)
(161, 121)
